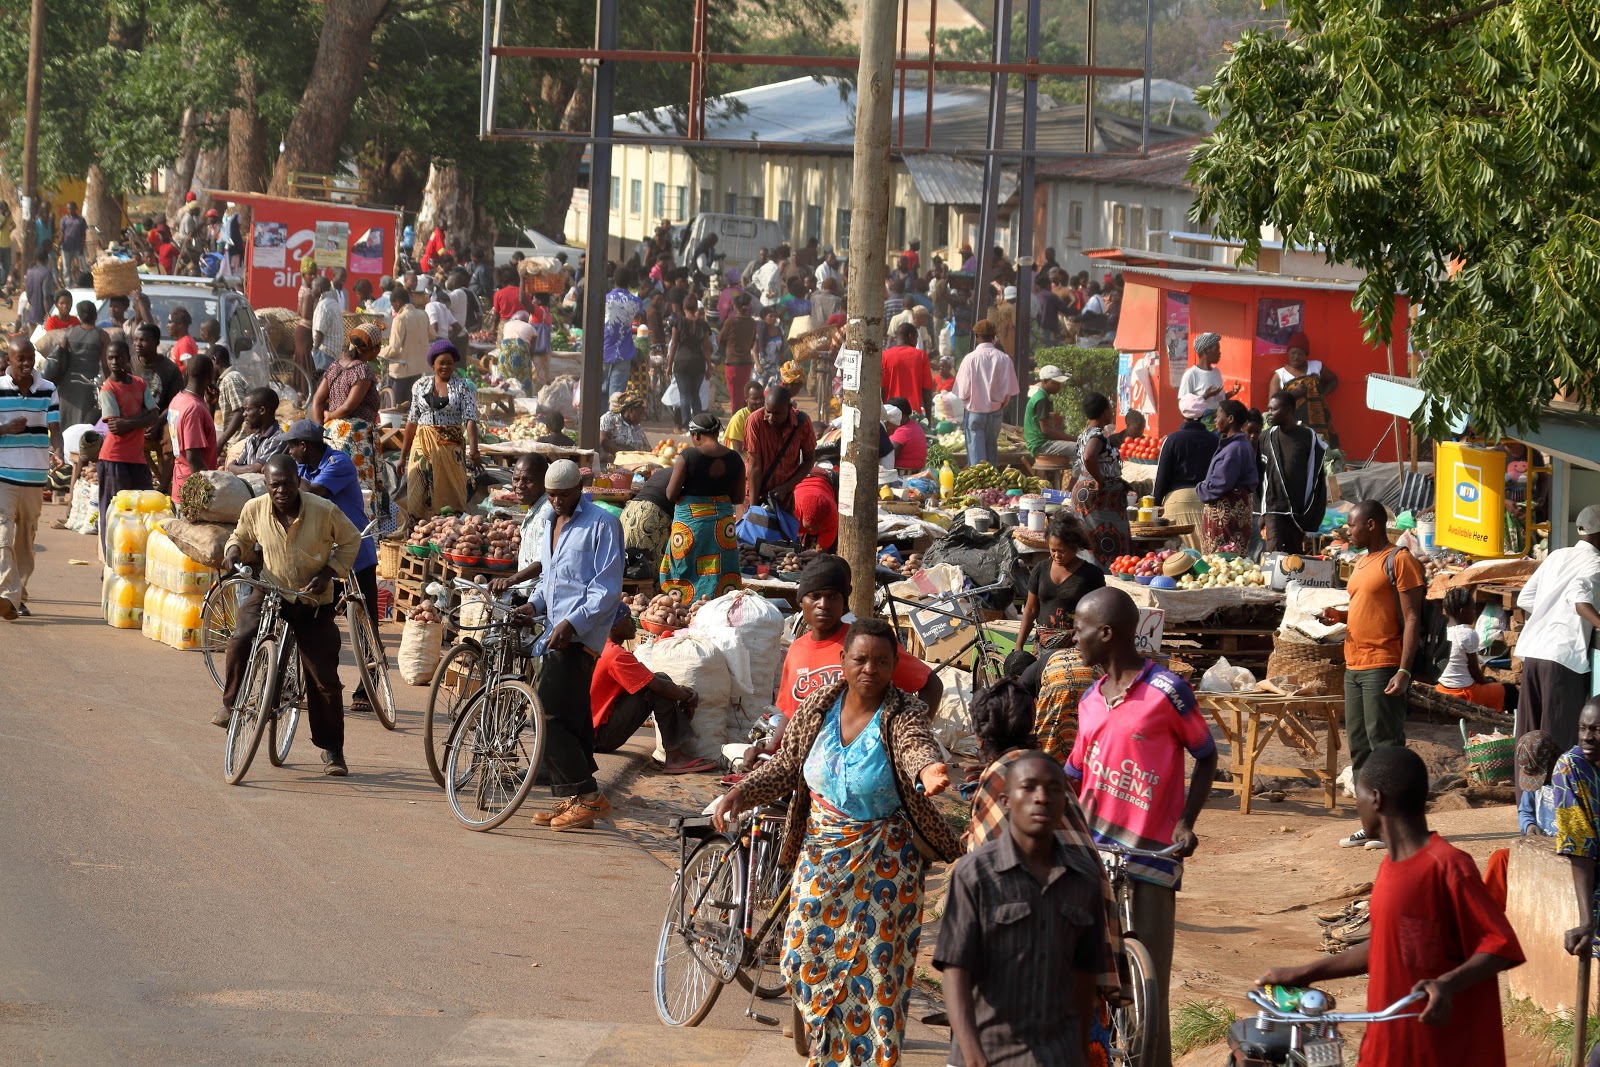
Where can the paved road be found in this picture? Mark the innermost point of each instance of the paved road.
(150, 913)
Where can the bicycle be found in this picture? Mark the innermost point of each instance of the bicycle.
(494, 749)
(1132, 1021)
(1312, 1038)
(273, 690)
(219, 614)
(462, 672)
(943, 614)
(725, 917)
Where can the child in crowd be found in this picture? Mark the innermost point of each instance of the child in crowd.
(1435, 929)
(1463, 675)
(624, 693)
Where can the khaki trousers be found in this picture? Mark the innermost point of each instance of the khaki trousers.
(19, 524)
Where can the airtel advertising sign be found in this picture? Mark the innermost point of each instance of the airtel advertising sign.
(284, 231)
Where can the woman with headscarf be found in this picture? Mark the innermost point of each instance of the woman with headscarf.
(1203, 381)
(1228, 491)
(1309, 382)
(346, 402)
(860, 766)
(708, 482)
(622, 428)
(1099, 495)
(441, 437)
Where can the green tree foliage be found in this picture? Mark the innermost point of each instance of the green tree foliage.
(1450, 154)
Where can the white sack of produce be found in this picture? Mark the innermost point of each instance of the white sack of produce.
(213, 496)
(1224, 677)
(952, 719)
(560, 395)
(695, 661)
(749, 628)
(420, 642)
(202, 542)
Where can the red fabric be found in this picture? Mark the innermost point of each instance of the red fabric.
(910, 446)
(816, 506)
(167, 253)
(762, 438)
(434, 246)
(55, 322)
(1494, 875)
(507, 302)
(126, 447)
(813, 665)
(182, 349)
(1430, 914)
(942, 384)
(738, 377)
(617, 672)
(191, 425)
(906, 374)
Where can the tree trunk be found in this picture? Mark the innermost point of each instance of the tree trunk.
(448, 200)
(180, 176)
(337, 77)
(562, 160)
(102, 211)
(247, 137)
(211, 172)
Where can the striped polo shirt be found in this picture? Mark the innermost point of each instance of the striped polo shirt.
(25, 457)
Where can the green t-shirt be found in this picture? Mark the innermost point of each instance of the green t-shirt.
(1032, 415)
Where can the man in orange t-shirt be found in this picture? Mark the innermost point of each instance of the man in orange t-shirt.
(1384, 617)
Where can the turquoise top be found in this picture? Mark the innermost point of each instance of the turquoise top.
(855, 778)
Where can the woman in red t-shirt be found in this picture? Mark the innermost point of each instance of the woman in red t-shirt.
(61, 317)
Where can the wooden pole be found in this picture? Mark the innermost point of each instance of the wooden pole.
(30, 140)
(869, 235)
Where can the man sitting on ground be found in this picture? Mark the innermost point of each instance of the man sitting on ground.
(265, 438)
(625, 693)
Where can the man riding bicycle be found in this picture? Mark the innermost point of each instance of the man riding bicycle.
(302, 543)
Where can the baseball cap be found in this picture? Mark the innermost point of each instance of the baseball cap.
(303, 430)
(1589, 520)
(1050, 373)
(1536, 755)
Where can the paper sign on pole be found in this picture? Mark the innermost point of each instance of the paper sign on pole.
(850, 419)
(847, 488)
(850, 369)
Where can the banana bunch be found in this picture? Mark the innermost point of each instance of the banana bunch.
(987, 476)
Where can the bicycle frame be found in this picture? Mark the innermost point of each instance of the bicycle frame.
(1114, 858)
(970, 616)
(762, 829)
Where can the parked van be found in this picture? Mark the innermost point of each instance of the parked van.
(739, 237)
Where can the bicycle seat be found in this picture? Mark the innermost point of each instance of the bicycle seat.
(886, 577)
(695, 826)
(1255, 1047)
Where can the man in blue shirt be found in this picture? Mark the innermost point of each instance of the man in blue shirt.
(580, 558)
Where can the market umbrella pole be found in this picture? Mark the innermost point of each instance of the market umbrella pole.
(869, 237)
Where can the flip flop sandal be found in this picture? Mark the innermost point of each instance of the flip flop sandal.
(1353, 910)
(698, 766)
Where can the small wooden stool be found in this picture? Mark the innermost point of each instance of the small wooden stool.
(1053, 469)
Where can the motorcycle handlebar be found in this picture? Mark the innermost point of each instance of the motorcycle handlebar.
(1389, 1014)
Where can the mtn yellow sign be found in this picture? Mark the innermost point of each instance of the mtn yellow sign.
(1469, 499)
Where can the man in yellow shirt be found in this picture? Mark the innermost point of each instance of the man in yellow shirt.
(754, 398)
(406, 354)
(305, 543)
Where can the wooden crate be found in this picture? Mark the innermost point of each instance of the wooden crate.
(415, 569)
(407, 596)
(1243, 647)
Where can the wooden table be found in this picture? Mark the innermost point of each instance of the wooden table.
(1249, 723)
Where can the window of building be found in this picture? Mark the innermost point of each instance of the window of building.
(680, 202)
(900, 228)
(841, 228)
(706, 200)
(941, 226)
(658, 200)
(635, 197)
(813, 222)
(786, 219)
(730, 203)
(1075, 220)
(1119, 225)
(1154, 243)
(1136, 235)
(616, 194)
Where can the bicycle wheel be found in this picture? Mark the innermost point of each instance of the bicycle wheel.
(459, 675)
(1133, 1022)
(219, 613)
(285, 376)
(699, 935)
(761, 974)
(372, 663)
(500, 742)
(252, 709)
(291, 700)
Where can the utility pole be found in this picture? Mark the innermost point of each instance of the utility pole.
(869, 236)
(591, 395)
(30, 138)
(1023, 341)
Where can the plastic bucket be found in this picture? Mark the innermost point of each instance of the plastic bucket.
(1425, 533)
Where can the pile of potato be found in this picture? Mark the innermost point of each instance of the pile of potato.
(427, 611)
(909, 566)
(666, 610)
(475, 536)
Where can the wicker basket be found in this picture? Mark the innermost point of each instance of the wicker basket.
(115, 277)
(89, 447)
(352, 319)
(389, 556)
(1317, 669)
(1489, 758)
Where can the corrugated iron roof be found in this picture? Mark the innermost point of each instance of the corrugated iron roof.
(1211, 277)
(1166, 166)
(942, 179)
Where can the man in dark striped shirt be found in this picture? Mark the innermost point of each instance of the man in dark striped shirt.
(1022, 941)
(30, 434)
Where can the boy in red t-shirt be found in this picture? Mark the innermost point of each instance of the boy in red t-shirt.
(623, 693)
(1435, 930)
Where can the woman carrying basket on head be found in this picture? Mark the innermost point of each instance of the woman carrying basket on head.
(346, 404)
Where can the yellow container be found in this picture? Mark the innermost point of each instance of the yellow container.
(126, 608)
(154, 602)
(183, 620)
(128, 540)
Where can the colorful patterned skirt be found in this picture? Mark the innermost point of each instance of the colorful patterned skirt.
(1062, 683)
(645, 529)
(514, 361)
(436, 472)
(354, 438)
(1225, 523)
(702, 556)
(850, 946)
(1105, 515)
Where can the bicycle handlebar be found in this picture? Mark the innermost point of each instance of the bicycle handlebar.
(1170, 852)
(1389, 1014)
(245, 575)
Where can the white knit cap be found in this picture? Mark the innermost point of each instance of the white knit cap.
(563, 474)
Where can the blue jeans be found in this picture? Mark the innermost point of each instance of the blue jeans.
(983, 437)
(616, 377)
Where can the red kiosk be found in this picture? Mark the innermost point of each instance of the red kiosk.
(284, 230)
(1164, 309)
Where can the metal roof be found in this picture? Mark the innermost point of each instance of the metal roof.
(1207, 277)
(1165, 167)
(942, 179)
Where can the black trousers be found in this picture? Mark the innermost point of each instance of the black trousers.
(629, 713)
(563, 691)
(1551, 698)
(316, 634)
(367, 582)
(1284, 534)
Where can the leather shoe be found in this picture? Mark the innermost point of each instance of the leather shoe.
(222, 718)
(544, 818)
(333, 764)
(583, 814)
